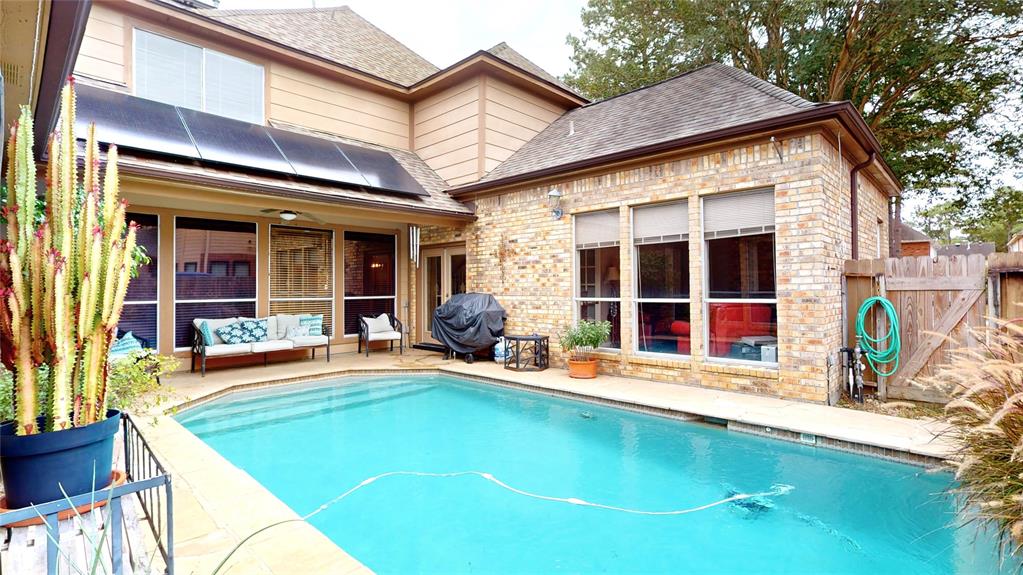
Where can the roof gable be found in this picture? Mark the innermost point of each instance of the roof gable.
(337, 34)
(510, 55)
(703, 100)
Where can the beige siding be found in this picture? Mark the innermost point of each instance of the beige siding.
(513, 117)
(102, 55)
(446, 132)
(305, 99)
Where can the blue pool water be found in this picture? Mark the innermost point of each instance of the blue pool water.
(844, 513)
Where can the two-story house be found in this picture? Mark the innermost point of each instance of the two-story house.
(288, 160)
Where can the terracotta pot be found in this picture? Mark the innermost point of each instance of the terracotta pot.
(582, 368)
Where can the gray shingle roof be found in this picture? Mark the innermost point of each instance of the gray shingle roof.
(703, 100)
(337, 34)
(510, 55)
(910, 234)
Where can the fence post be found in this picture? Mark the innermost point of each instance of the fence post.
(881, 321)
(114, 525)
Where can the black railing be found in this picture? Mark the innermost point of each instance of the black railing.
(146, 478)
(140, 464)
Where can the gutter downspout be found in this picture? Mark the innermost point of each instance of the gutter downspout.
(854, 216)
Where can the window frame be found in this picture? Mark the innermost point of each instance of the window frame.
(576, 299)
(175, 301)
(202, 71)
(707, 300)
(346, 298)
(333, 276)
(156, 302)
(637, 300)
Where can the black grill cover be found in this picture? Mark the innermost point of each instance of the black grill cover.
(469, 322)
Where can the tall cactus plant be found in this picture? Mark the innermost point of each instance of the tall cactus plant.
(63, 276)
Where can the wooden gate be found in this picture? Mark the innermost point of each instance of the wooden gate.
(938, 302)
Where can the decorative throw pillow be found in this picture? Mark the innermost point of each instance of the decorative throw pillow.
(300, 331)
(246, 331)
(313, 322)
(207, 333)
(379, 324)
(125, 345)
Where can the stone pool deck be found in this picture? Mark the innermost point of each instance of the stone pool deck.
(216, 504)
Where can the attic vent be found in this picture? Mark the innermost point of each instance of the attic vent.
(12, 73)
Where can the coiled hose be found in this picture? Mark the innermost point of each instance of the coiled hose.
(870, 346)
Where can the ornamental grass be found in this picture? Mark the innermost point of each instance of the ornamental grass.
(985, 417)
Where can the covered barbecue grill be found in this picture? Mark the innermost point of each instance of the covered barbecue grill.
(469, 323)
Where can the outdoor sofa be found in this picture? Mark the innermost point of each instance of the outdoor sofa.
(277, 337)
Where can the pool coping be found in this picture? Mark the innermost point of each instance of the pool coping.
(220, 503)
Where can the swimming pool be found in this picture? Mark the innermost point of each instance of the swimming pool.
(821, 511)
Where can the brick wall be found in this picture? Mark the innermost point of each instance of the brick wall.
(520, 253)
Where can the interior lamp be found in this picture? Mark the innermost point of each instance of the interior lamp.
(554, 201)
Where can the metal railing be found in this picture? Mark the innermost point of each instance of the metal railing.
(146, 478)
(141, 465)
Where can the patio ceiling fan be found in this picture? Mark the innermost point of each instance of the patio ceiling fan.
(291, 215)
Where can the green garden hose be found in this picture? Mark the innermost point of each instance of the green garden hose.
(870, 346)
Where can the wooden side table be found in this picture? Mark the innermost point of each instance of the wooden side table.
(530, 352)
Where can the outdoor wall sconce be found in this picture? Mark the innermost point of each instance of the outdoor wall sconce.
(554, 201)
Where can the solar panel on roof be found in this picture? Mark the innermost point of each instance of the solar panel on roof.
(228, 141)
(316, 157)
(382, 171)
(132, 122)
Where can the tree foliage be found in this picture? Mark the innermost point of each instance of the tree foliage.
(992, 218)
(936, 80)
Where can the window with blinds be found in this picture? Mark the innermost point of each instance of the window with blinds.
(739, 214)
(739, 257)
(661, 265)
(302, 272)
(182, 74)
(598, 281)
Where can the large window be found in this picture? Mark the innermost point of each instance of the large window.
(140, 313)
(204, 253)
(661, 240)
(182, 74)
(598, 272)
(742, 308)
(370, 278)
(301, 272)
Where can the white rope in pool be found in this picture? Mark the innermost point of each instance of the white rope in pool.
(776, 490)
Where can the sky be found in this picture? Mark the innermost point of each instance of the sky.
(445, 31)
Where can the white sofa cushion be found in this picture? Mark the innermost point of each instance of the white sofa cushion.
(272, 345)
(378, 324)
(310, 340)
(384, 336)
(228, 349)
(284, 321)
(213, 325)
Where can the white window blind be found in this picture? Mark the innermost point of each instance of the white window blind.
(168, 71)
(738, 214)
(234, 88)
(661, 223)
(596, 230)
(182, 74)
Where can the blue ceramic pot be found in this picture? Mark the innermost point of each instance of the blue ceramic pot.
(36, 466)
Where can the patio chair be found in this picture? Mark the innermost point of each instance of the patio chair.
(383, 327)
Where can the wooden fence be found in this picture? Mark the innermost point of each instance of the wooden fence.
(939, 301)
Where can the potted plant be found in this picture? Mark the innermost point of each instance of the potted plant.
(64, 272)
(580, 340)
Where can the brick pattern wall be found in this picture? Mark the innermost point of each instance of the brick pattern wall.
(519, 252)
